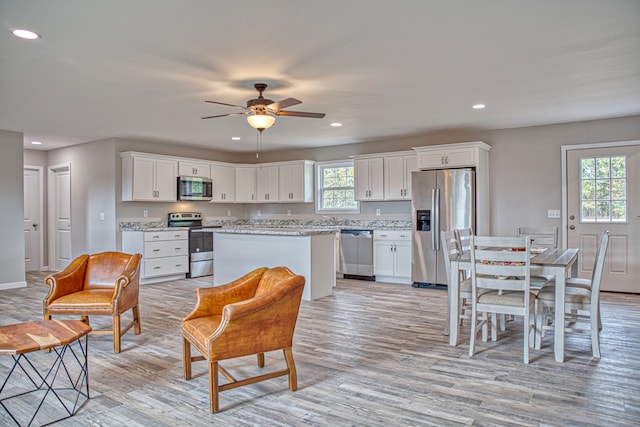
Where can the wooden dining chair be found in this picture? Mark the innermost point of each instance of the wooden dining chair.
(541, 237)
(500, 283)
(451, 249)
(463, 235)
(582, 303)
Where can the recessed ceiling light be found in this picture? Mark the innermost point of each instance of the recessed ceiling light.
(36, 142)
(25, 34)
(336, 124)
(478, 106)
(235, 138)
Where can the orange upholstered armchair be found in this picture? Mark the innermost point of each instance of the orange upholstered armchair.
(105, 284)
(254, 314)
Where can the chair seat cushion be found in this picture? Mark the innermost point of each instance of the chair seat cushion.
(201, 328)
(92, 298)
(572, 295)
(508, 298)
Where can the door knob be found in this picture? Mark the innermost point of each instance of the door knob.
(34, 225)
(572, 227)
(572, 217)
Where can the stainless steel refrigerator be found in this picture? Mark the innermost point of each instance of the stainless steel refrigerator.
(443, 199)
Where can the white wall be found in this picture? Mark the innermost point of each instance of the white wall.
(12, 267)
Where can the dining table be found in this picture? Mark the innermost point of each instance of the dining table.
(552, 262)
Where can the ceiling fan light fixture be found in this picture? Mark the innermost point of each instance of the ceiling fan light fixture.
(261, 121)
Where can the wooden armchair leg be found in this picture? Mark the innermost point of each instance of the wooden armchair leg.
(116, 333)
(136, 320)
(186, 358)
(213, 386)
(291, 365)
(261, 360)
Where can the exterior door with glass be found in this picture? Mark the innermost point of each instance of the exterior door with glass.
(603, 192)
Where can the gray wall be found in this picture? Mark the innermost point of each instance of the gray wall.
(12, 267)
(524, 163)
(525, 177)
(92, 169)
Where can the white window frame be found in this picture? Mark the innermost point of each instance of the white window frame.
(320, 166)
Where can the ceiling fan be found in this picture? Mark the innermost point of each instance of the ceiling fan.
(260, 110)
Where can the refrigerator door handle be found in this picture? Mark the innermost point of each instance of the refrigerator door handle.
(435, 215)
(436, 219)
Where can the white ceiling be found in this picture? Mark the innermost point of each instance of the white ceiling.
(142, 69)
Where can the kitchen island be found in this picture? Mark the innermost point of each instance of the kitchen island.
(307, 252)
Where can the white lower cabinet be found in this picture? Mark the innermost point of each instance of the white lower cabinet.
(165, 254)
(392, 256)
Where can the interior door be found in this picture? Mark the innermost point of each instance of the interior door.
(60, 205)
(32, 217)
(603, 192)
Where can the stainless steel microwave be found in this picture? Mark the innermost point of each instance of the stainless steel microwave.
(195, 188)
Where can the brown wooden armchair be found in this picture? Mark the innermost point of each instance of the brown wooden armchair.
(254, 314)
(105, 284)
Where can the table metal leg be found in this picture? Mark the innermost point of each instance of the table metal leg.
(67, 375)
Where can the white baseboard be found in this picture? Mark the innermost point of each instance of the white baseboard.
(14, 285)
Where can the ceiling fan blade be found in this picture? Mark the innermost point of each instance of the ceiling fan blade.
(300, 114)
(224, 115)
(228, 105)
(283, 103)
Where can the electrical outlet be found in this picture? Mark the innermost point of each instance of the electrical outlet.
(145, 213)
(259, 212)
(228, 212)
(289, 212)
(553, 213)
(377, 212)
(101, 216)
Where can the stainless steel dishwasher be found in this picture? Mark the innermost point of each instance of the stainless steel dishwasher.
(356, 254)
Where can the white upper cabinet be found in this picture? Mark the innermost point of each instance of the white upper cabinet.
(245, 184)
(369, 181)
(266, 183)
(190, 168)
(295, 181)
(397, 176)
(148, 178)
(450, 155)
(224, 182)
(464, 154)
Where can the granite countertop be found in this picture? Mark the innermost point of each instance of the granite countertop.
(282, 225)
(275, 231)
(150, 228)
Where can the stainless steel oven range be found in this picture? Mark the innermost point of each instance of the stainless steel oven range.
(200, 242)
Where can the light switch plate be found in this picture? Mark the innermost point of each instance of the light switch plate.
(553, 213)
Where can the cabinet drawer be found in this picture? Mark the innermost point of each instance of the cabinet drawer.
(156, 236)
(394, 235)
(166, 248)
(166, 266)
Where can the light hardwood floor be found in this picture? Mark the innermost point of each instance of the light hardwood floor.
(372, 354)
